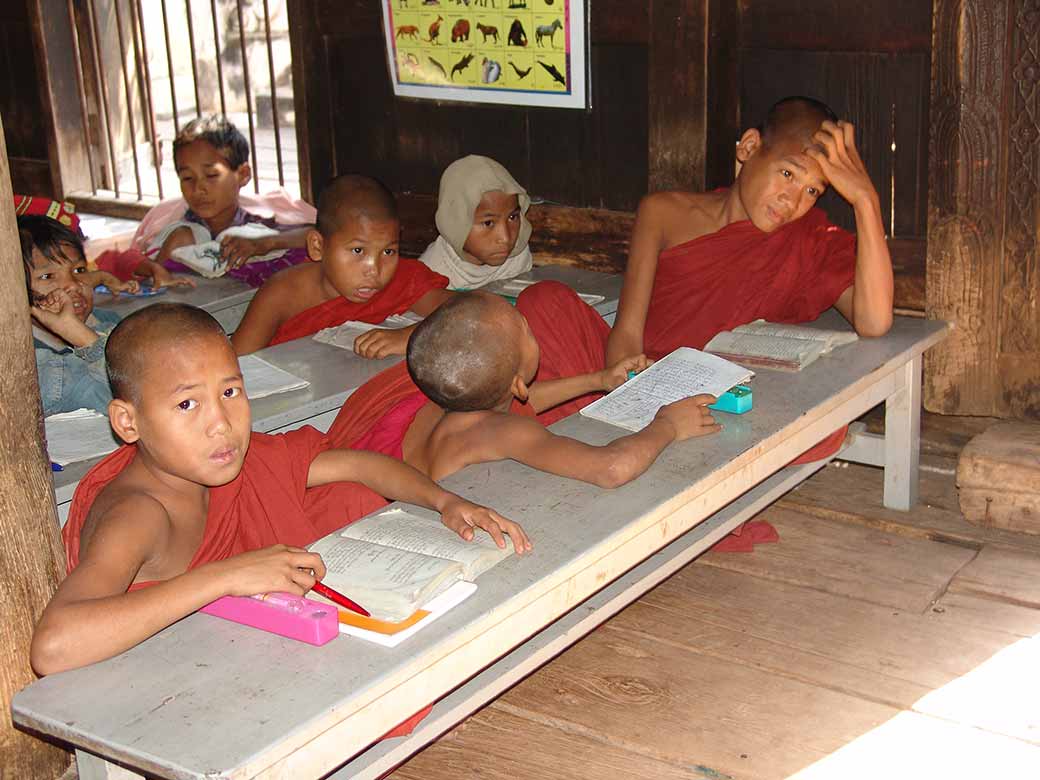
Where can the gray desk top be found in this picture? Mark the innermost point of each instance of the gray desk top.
(333, 374)
(583, 281)
(159, 705)
(209, 294)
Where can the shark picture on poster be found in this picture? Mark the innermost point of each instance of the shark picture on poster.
(514, 52)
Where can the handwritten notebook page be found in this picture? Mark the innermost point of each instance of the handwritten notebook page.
(79, 435)
(262, 379)
(680, 374)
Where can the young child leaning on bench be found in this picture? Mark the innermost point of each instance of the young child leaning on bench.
(197, 506)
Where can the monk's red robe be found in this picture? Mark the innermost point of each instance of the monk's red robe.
(377, 416)
(705, 286)
(267, 503)
(411, 281)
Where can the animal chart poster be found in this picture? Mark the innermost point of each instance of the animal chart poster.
(518, 52)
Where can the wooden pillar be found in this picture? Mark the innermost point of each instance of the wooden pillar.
(984, 208)
(31, 556)
(693, 93)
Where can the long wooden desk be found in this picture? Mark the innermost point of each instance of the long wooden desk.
(207, 698)
(333, 374)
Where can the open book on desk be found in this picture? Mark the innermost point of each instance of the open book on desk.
(679, 374)
(396, 563)
(770, 345)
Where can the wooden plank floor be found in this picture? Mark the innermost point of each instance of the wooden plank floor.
(865, 644)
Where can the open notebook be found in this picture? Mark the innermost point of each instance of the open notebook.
(343, 336)
(680, 374)
(262, 379)
(397, 563)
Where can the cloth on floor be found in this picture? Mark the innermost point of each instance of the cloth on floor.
(744, 538)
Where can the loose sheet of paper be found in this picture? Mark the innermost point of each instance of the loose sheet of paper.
(262, 379)
(343, 336)
(79, 435)
(681, 374)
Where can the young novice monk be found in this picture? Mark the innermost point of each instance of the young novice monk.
(463, 407)
(211, 157)
(701, 263)
(198, 506)
(482, 220)
(68, 336)
(357, 275)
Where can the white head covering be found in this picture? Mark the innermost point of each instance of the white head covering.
(463, 184)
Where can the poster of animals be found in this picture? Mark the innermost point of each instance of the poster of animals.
(519, 52)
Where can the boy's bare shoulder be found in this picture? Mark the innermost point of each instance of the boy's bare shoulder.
(292, 289)
(489, 430)
(124, 509)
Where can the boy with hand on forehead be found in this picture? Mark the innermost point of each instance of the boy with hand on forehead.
(474, 400)
(702, 263)
(357, 275)
(198, 506)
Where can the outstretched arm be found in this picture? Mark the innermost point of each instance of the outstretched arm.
(263, 316)
(238, 249)
(868, 303)
(626, 337)
(553, 392)
(612, 465)
(400, 482)
(92, 616)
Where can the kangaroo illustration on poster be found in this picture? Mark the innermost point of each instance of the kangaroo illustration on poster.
(435, 30)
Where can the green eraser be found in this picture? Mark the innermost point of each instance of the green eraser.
(736, 400)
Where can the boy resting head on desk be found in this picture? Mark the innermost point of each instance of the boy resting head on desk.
(197, 506)
(357, 275)
(473, 362)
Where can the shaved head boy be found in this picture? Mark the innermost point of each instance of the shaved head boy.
(356, 275)
(473, 362)
(198, 506)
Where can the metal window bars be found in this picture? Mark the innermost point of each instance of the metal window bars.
(147, 68)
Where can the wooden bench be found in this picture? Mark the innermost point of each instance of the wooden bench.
(207, 698)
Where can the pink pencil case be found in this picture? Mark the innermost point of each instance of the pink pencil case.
(280, 613)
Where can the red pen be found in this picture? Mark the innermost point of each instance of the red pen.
(338, 598)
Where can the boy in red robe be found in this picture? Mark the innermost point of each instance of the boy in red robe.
(474, 401)
(701, 263)
(198, 506)
(357, 275)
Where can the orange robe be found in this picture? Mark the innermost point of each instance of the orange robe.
(411, 281)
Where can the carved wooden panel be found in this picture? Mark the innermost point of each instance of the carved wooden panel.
(984, 177)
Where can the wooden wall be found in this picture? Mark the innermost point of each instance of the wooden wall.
(984, 209)
(648, 121)
(20, 102)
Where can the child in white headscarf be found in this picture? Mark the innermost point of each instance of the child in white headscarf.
(482, 221)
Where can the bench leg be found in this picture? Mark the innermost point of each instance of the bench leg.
(90, 767)
(903, 439)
